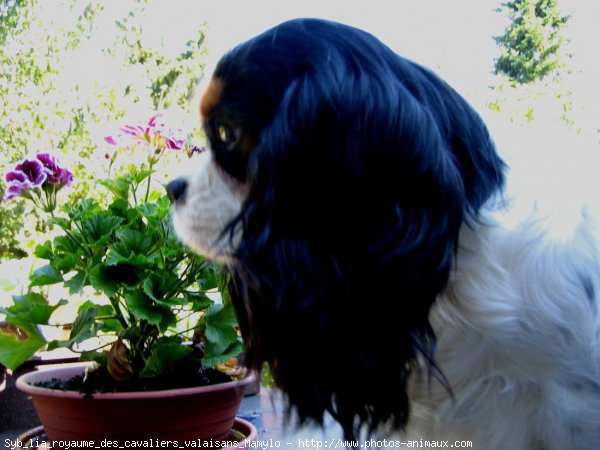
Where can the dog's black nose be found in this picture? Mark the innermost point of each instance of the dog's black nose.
(176, 189)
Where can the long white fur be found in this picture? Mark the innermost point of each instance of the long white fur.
(519, 325)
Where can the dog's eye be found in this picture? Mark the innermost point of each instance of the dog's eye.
(228, 136)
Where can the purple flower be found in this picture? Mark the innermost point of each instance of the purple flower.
(33, 170)
(174, 143)
(27, 175)
(18, 184)
(63, 176)
(47, 160)
(39, 172)
(56, 174)
(18, 177)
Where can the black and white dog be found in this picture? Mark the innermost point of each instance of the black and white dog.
(377, 263)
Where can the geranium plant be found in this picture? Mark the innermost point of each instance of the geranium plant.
(146, 306)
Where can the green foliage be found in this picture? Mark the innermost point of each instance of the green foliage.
(144, 292)
(53, 98)
(21, 336)
(531, 42)
(11, 17)
(146, 280)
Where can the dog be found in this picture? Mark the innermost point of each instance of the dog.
(377, 262)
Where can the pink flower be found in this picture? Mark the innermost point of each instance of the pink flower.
(111, 140)
(153, 133)
(152, 121)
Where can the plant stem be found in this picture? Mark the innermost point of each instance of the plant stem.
(92, 350)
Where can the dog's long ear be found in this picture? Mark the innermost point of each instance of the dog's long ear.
(358, 189)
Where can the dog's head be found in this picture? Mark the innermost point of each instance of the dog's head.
(337, 180)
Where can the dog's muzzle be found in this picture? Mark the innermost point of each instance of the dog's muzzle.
(203, 205)
(176, 190)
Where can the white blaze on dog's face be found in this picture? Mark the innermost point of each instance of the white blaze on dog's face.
(212, 199)
(207, 201)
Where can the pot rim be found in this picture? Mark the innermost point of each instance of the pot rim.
(247, 428)
(71, 369)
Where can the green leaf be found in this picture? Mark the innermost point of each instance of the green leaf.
(101, 280)
(160, 283)
(148, 210)
(115, 258)
(18, 344)
(220, 331)
(209, 280)
(119, 187)
(105, 316)
(84, 326)
(157, 211)
(63, 223)
(45, 275)
(30, 308)
(99, 227)
(221, 315)
(133, 247)
(138, 175)
(65, 262)
(134, 241)
(213, 355)
(143, 307)
(162, 357)
(44, 251)
(84, 209)
(53, 345)
(199, 300)
(132, 333)
(120, 208)
(171, 302)
(110, 326)
(66, 245)
(76, 283)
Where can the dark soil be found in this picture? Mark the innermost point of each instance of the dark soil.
(186, 373)
(99, 380)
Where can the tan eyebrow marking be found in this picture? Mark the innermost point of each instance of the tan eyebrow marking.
(211, 97)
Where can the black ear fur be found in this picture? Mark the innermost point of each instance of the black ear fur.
(360, 183)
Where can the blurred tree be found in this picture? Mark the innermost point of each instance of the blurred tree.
(70, 69)
(531, 42)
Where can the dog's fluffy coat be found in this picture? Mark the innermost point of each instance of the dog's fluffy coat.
(359, 203)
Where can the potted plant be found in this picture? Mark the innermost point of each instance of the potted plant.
(147, 316)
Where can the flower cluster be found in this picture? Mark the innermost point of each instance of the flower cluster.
(154, 134)
(38, 179)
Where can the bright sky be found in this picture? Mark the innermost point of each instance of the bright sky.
(452, 37)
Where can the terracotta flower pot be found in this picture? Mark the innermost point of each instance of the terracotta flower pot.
(242, 434)
(200, 414)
